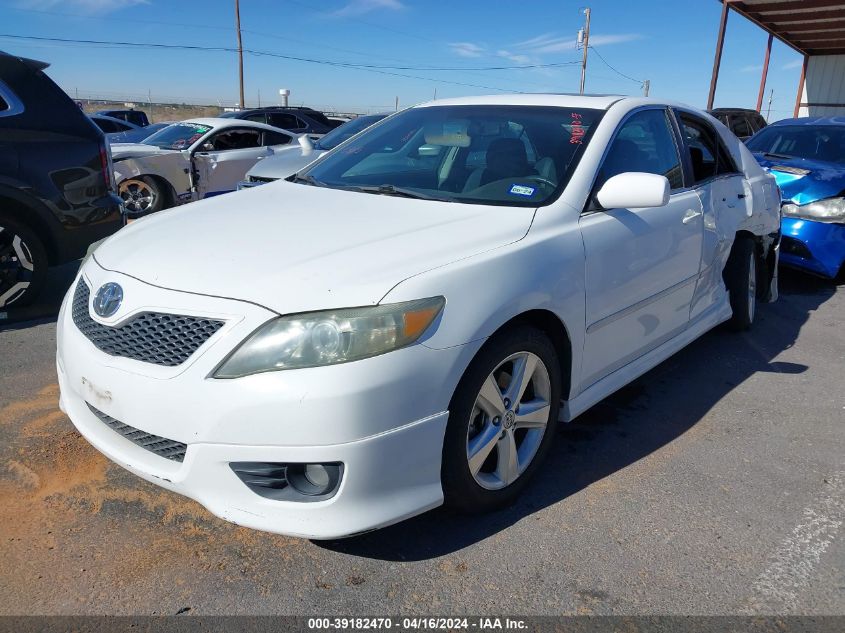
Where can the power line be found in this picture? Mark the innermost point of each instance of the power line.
(260, 53)
(383, 70)
(621, 74)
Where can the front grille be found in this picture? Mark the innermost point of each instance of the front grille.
(261, 179)
(161, 446)
(150, 337)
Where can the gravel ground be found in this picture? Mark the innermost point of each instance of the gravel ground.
(715, 484)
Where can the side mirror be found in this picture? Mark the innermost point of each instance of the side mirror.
(428, 150)
(306, 144)
(634, 190)
(207, 147)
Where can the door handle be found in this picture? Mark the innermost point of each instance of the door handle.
(690, 215)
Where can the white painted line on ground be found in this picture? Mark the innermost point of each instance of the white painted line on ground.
(792, 564)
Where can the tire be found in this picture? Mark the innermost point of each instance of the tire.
(141, 195)
(490, 481)
(741, 280)
(23, 264)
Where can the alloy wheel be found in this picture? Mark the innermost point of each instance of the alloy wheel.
(16, 267)
(508, 420)
(137, 195)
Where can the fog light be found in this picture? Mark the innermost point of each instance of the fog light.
(290, 482)
(314, 479)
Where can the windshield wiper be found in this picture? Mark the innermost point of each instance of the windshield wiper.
(308, 180)
(779, 156)
(391, 190)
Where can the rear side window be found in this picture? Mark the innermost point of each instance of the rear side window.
(707, 153)
(740, 126)
(283, 120)
(275, 138)
(644, 143)
(3, 105)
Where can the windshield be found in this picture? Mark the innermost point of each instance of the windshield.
(825, 143)
(502, 155)
(177, 135)
(347, 131)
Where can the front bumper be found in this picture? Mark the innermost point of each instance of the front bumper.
(384, 418)
(817, 247)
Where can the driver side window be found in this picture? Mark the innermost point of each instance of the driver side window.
(236, 139)
(644, 143)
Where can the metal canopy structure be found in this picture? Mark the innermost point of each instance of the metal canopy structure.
(813, 28)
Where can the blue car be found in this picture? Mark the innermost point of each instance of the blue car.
(807, 158)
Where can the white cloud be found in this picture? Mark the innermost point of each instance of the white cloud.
(86, 6)
(515, 57)
(467, 49)
(796, 64)
(360, 7)
(551, 43)
(751, 68)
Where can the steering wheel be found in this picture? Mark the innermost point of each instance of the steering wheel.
(542, 181)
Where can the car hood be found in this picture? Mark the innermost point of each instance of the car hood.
(295, 248)
(120, 151)
(284, 162)
(802, 181)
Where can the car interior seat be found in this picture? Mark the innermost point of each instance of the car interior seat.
(506, 158)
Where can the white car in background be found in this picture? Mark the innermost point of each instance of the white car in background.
(290, 160)
(191, 160)
(405, 322)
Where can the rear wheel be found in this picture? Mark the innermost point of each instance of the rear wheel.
(501, 421)
(741, 281)
(23, 264)
(141, 195)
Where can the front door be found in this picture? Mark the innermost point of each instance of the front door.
(223, 160)
(641, 264)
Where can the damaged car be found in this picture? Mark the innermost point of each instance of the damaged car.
(403, 323)
(190, 160)
(807, 158)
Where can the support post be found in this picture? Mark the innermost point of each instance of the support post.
(765, 74)
(586, 45)
(717, 60)
(240, 53)
(801, 81)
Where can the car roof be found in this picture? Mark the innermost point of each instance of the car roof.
(106, 117)
(220, 122)
(600, 102)
(812, 120)
(734, 110)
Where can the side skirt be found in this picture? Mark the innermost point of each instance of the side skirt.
(569, 410)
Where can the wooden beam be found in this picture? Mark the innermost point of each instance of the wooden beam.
(717, 58)
(837, 43)
(817, 35)
(765, 73)
(789, 5)
(791, 18)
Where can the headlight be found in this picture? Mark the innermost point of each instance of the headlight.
(335, 336)
(830, 210)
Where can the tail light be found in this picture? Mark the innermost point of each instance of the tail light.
(106, 166)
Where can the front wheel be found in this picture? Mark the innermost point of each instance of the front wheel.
(23, 264)
(741, 280)
(501, 421)
(140, 195)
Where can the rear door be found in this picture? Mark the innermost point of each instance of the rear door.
(722, 188)
(641, 264)
(233, 152)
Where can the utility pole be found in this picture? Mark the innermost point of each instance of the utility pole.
(646, 87)
(585, 43)
(240, 51)
(769, 113)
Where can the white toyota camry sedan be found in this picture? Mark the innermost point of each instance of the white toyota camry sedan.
(403, 323)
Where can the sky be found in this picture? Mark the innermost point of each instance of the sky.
(361, 55)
